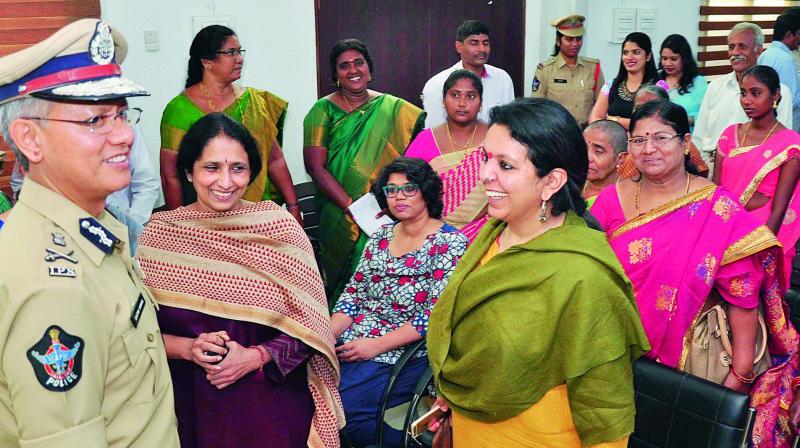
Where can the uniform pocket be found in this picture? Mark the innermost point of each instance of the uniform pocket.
(142, 375)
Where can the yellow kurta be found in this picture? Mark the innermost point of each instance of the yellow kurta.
(546, 424)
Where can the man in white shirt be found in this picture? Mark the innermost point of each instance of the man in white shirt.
(473, 45)
(785, 39)
(721, 107)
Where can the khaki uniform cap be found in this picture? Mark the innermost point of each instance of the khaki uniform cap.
(78, 62)
(571, 25)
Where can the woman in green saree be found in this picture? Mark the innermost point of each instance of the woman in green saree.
(348, 137)
(215, 63)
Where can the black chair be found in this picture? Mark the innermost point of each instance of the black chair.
(307, 197)
(677, 410)
(404, 359)
(423, 389)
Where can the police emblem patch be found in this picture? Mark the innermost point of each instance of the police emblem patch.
(57, 359)
(535, 85)
(101, 47)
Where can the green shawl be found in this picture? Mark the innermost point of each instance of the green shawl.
(360, 144)
(557, 309)
(261, 112)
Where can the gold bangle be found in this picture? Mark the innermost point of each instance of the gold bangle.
(743, 379)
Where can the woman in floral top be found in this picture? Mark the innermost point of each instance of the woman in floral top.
(386, 304)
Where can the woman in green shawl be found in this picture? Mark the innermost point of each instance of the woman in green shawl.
(532, 341)
(215, 62)
(348, 137)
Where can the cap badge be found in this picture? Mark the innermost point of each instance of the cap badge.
(101, 47)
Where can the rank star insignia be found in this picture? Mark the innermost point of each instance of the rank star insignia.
(59, 240)
(57, 359)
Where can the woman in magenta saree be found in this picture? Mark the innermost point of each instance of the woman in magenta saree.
(759, 162)
(680, 249)
(452, 150)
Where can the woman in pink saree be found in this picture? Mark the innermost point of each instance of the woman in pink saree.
(452, 151)
(759, 162)
(679, 237)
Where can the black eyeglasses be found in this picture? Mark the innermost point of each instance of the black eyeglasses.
(659, 140)
(232, 52)
(101, 124)
(408, 190)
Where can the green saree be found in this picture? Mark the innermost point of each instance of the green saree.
(555, 310)
(359, 145)
(261, 112)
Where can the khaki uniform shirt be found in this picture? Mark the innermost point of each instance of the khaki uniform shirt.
(74, 370)
(574, 88)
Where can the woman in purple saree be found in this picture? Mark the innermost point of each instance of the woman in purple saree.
(678, 237)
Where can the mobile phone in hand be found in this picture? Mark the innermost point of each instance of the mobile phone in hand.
(420, 425)
(208, 353)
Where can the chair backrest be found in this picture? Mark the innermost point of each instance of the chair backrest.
(307, 197)
(677, 410)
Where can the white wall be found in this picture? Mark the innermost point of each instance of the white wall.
(281, 55)
(281, 47)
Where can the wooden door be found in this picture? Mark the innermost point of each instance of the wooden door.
(411, 40)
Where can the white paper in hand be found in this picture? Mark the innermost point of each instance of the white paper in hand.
(364, 210)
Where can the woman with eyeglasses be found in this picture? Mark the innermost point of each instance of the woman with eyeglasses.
(216, 59)
(759, 161)
(688, 245)
(386, 304)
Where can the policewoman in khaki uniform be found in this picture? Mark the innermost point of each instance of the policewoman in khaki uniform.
(571, 80)
(82, 363)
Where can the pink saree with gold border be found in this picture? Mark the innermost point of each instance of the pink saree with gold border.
(675, 254)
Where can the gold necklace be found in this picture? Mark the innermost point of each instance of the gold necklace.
(213, 107)
(639, 192)
(350, 106)
(747, 129)
(468, 142)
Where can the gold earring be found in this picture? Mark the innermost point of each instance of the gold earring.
(775, 104)
(543, 213)
(338, 84)
(686, 152)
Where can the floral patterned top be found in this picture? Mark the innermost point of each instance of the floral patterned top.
(386, 291)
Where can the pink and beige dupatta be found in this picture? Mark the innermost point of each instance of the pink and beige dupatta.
(253, 264)
(463, 194)
(673, 256)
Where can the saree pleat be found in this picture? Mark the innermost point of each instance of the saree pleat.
(359, 145)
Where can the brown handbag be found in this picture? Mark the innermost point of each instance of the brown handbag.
(711, 350)
(443, 438)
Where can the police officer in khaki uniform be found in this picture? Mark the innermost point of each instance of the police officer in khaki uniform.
(571, 80)
(82, 363)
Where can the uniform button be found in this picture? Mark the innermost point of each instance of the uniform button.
(150, 337)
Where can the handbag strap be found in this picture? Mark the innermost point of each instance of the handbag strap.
(722, 319)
